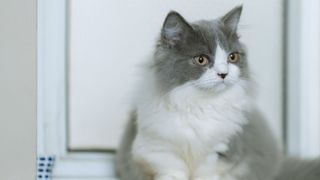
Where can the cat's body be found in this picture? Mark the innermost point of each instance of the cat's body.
(193, 118)
(199, 138)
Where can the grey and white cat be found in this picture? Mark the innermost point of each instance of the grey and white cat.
(193, 118)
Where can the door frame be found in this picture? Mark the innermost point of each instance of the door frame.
(302, 62)
(52, 99)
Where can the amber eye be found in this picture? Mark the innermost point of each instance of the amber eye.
(201, 60)
(234, 57)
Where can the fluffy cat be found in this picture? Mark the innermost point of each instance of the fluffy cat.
(193, 118)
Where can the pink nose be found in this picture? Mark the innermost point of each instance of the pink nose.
(222, 75)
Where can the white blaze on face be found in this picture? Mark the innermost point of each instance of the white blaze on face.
(210, 80)
(221, 61)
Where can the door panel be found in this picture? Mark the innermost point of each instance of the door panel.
(109, 39)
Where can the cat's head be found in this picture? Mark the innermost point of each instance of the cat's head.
(205, 54)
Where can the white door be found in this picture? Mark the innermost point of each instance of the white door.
(108, 40)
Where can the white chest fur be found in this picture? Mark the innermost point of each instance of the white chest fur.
(191, 124)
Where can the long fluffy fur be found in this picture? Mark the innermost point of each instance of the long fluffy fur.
(291, 169)
(188, 122)
(249, 138)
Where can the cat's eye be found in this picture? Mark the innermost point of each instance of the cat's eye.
(234, 57)
(201, 60)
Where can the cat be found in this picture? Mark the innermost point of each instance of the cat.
(193, 117)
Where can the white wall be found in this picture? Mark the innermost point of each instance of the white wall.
(109, 38)
(18, 89)
(303, 74)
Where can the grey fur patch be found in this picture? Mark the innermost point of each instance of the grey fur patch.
(124, 167)
(231, 19)
(300, 169)
(181, 41)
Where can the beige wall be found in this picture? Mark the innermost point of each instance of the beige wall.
(17, 89)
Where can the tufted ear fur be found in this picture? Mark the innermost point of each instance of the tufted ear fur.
(231, 19)
(175, 29)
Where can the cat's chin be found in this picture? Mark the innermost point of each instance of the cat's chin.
(216, 88)
(220, 87)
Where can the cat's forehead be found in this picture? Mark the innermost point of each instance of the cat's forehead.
(213, 32)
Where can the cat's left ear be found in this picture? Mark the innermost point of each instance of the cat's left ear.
(176, 30)
(231, 19)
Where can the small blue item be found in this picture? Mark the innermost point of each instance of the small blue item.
(44, 167)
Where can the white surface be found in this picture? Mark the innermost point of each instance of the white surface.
(310, 79)
(109, 38)
(52, 135)
(84, 165)
(18, 89)
(304, 78)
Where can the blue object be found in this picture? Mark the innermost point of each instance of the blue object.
(44, 167)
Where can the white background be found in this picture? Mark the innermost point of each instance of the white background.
(108, 40)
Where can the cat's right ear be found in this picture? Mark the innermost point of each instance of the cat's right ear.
(231, 19)
(175, 29)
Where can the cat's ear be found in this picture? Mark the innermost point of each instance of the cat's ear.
(231, 19)
(175, 29)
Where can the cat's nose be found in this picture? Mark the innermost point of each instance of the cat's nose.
(222, 75)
